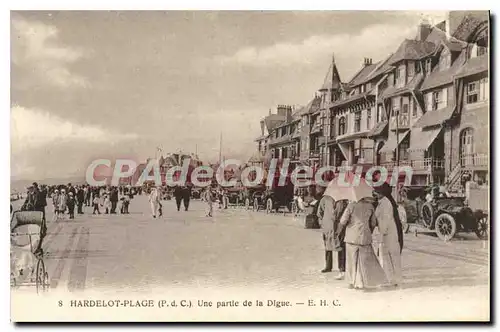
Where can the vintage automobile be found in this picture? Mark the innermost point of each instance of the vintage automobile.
(277, 197)
(252, 196)
(234, 196)
(446, 216)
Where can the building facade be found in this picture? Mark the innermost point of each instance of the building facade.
(425, 106)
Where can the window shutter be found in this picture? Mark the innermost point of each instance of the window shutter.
(428, 105)
(444, 98)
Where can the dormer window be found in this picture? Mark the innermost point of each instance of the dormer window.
(444, 60)
(417, 67)
(428, 66)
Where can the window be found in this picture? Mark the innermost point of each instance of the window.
(467, 146)
(403, 119)
(417, 67)
(411, 70)
(435, 100)
(481, 50)
(444, 60)
(362, 88)
(428, 66)
(390, 80)
(368, 118)
(484, 88)
(332, 126)
(403, 150)
(342, 126)
(414, 109)
(472, 93)
(357, 122)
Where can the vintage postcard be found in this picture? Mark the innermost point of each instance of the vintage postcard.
(279, 166)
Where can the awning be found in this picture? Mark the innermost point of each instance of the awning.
(378, 130)
(421, 139)
(392, 143)
(344, 150)
(435, 118)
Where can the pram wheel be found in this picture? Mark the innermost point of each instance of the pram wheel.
(41, 277)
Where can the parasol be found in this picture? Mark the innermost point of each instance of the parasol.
(352, 192)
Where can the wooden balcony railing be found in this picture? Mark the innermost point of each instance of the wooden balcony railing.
(474, 159)
(314, 153)
(431, 164)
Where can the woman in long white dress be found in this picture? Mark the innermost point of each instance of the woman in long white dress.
(390, 227)
(154, 201)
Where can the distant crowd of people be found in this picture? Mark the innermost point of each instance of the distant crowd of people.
(65, 199)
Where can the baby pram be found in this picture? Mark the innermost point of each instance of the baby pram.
(27, 231)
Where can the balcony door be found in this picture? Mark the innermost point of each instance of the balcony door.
(467, 146)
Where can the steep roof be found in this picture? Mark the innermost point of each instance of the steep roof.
(412, 85)
(332, 79)
(412, 50)
(439, 37)
(273, 120)
(474, 66)
(362, 74)
(442, 77)
(352, 98)
(314, 105)
(382, 67)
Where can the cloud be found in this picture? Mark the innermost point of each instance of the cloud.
(32, 128)
(37, 49)
(378, 39)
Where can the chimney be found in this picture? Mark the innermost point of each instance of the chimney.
(368, 61)
(262, 126)
(269, 111)
(282, 110)
(289, 113)
(424, 30)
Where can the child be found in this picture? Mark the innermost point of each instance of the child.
(95, 202)
(107, 204)
(126, 203)
(71, 205)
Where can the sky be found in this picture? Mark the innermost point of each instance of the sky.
(102, 84)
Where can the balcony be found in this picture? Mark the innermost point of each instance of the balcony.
(474, 160)
(389, 165)
(403, 123)
(314, 154)
(428, 164)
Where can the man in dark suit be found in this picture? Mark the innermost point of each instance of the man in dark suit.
(113, 199)
(186, 195)
(80, 198)
(179, 195)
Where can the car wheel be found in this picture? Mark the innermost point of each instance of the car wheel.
(427, 214)
(446, 226)
(482, 227)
